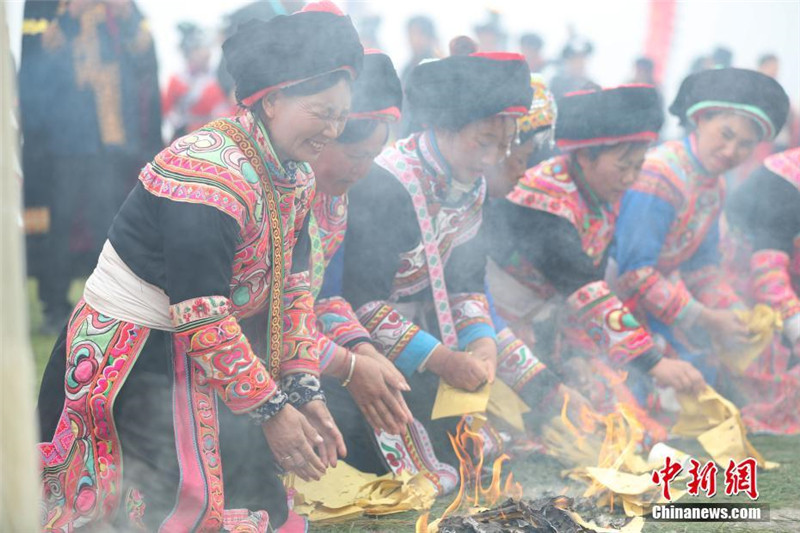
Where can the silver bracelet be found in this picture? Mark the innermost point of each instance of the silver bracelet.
(349, 377)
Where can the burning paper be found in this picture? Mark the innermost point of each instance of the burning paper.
(545, 515)
(605, 455)
(608, 441)
(476, 506)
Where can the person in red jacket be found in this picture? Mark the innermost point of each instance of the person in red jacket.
(193, 96)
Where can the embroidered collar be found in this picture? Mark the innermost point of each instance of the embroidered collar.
(597, 205)
(690, 143)
(285, 175)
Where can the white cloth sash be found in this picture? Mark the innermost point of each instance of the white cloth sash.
(115, 291)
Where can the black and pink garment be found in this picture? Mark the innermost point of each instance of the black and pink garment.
(548, 248)
(386, 280)
(413, 267)
(377, 97)
(549, 241)
(197, 296)
(764, 214)
(668, 234)
(403, 276)
(207, 238)
(337, 325)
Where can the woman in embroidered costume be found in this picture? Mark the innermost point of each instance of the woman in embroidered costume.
(517, 365)
(765, 212)
(346, 352)
(667, 234)
(412, 266)
(202, 251)
(550, 243)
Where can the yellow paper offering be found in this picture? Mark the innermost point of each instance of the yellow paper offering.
(321, 514)
(701, 413)
(763, 322)
(339, 487)
(390, 494)
(451, 401)
(498, 399)
(621, 482)
(505, 404)
(345, 493)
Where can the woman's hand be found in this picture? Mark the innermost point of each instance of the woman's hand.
(396, 379)
(459, 369)
(292, 439)
(724, 325)
(377, 388)
(680, 375)
(485, 350)
(332, 445)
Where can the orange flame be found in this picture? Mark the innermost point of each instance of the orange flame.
(471, 492)
(587, 420)
(567, 422)
(624, 429)
(616, 379)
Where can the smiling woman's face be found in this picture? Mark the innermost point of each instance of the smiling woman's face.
(301, 126)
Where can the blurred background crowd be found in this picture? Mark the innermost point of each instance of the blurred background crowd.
(141, 73)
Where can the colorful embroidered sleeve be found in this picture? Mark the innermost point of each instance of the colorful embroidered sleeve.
(772, 285)
(517, 365)
(612, 326)
(709, 287)
(331, 323)
(642, 229)
(207, 332)
(767, 208)
(339, 322)
(199, 245)
(302, 343)
(328, 351)
(396, 337)
(472, 318)
(338, 329)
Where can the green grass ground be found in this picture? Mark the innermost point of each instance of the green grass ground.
(539, 475)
